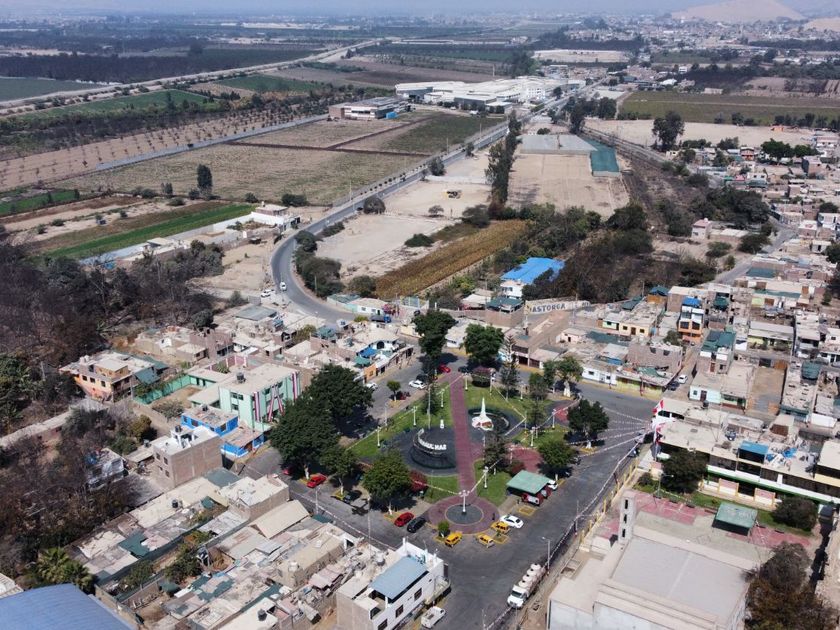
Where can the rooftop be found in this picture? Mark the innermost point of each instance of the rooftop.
(525, 481)
(259, 378)
(737, 515)
(398, 577)
(62, 606)
(533, 268)
(182, 438)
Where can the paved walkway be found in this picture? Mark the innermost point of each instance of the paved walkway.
(489, 512)
(464, 455)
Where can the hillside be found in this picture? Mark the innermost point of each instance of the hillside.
(825, 24)
(737, 11)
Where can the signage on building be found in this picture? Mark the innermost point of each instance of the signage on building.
(540, 307)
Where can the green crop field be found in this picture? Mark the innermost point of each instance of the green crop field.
(440, 131)
(35, 202)
(98, 240)
(265, 83)
(708, 107)
(13, 88)
(137, 101)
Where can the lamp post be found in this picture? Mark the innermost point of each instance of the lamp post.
(547, 553)
(463, 501)
(414, 412)
(378, 442)
(486, 470)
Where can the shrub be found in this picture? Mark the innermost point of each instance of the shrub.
(251, 198)
(420, 240)
(332, 230)
(796, 512)
(443, 529)
(177, 201)
(57, 222)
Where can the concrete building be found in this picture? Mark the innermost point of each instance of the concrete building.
(369, 109)
(186, 453)
(499, 93)
(649, 579)
(414, 579)
(252, 498)
(111, 375)
(525, 274)
(237, 441)
(257, 395)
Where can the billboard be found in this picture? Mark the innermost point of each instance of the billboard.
(541, 307)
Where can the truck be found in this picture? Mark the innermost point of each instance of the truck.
(523, 589)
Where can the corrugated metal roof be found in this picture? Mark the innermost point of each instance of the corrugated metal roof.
(529, 482)
(62, 606)
(737, 515)
(398, 577)
(533, 268)
(754, 448)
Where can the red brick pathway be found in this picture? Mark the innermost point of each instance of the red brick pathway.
(464, 455)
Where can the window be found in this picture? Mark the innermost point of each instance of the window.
(418, 594)
(166, 472)
(382, 625)
(399, 611)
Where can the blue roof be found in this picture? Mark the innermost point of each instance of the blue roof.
(62, 606)
(692, 302)
(755, 449)
(533, 268)
(399, 577)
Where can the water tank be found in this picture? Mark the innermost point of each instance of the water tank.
(175, 503)
(240, 377)
(261, 615)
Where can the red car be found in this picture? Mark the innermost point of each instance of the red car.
(444, 369)
(316, 480)
(403, 518)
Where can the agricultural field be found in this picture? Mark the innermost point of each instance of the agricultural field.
(707, 107)
(422, 273)
(322, 160)
(20, 202)
(14, 88)
(127, 232)
(266, 83)
(109, 105)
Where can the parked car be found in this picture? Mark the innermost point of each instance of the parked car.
(444, 369)
(372, 386)
(464, 369)
(403, 519)
(401, 395)
(552, 485)
(350, 495)
(265, 293)
(484, 539)
(453, 539)
(673, 386)
(682, 378)
(501, 527)
(282, 286)
(416, 384)
(530, 498)
(415, 524)
(512, 521)
(432, 616)
(316, 480)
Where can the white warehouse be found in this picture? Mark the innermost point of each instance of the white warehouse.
(498, 93)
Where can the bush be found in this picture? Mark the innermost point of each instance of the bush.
(251, 198)
(57, 222)
(443, 529)
(332, 230)
(420, 240)
(437, 167)
(796, 512)
(176, 201)
(288, 199)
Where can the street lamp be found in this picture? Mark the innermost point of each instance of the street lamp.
(463, 494)
(378, 442)
(547, 553)
(486, 470)
(414, 412)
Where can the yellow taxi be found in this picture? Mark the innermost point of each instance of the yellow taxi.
(501, 527)
(453, 539)
(484, 539)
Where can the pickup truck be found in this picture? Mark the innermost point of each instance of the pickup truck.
(523, 589)
(432, 616)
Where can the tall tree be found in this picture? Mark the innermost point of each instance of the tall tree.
(54, 566)
(683, 470)
(387, 478)
(667, 129)
(204, 178)
(305, 433)
(341, 462)
(509, 373)
(556, 454)
(569, 369)
(588, 419)
(432, 328)
(338, 392)
(482, 343)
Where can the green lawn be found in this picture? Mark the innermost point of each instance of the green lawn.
(266, 83)
(35, 202)
(558, 432)
(495, 399)
(109, 105)
(366, 448)
(441, 487)
(694, 107)
(698, 499)
(496, 490)
(188, 220)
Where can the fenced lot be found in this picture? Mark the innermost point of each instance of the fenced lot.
(708, 107)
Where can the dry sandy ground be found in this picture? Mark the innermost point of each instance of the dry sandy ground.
(565, 181)
(326, 133)
(55, 165)
(640, 132)
(246, 269)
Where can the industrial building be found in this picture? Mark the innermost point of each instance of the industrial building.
(498, 94)
(369, 109)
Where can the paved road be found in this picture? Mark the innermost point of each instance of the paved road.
(783, 235)
(481, 578)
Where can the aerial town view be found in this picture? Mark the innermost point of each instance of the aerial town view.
(473, 316)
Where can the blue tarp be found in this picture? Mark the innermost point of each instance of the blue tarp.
(692, 302)
(533, 268)
(755, 449)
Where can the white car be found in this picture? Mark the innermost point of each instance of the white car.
(372, 386)
(265, 293)
(432, 616)
(552, 485)
(282, 286)
(512, 521)
(417, 384)
(682, 378)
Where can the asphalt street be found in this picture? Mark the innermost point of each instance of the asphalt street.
(481, 578)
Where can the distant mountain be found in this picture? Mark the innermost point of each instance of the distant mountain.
(825, 24)
(740, 11)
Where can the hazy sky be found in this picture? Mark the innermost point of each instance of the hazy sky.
(375, 7)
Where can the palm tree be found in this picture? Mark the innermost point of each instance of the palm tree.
(54, 566)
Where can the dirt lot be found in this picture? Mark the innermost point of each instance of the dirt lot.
(245, 269)
(640, 132)
(565, 181)
(374, 244)
(56, 165)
